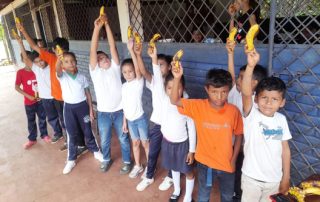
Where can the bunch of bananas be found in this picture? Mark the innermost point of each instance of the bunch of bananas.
(153, 40)
(306, 188)
(14, 33)
(102, 11)
(129, 32)
(137, 39)
(250, 36)
(59, 51)
(176, 59)
(232, 34)
(17, 20)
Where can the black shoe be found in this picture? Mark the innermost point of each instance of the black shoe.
(105, 165)
(55, 139)
(81, 150)
(126, 168)
(174, 198)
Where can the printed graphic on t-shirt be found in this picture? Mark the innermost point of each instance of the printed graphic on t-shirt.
(215, 126)
(86, 119)
(271, 133)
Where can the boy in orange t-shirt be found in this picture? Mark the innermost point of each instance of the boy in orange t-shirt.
(216, 122)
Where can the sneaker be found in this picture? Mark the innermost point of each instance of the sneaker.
(69, 165)
(144, 184)
(81, 150)
(47, 139)
(174, 198)
(105, 165)
(98, 156)
(56, 138)
(64, 147)
(144, 175)
(166, 184)
(29, 144)
(125, 168)
(136, 171)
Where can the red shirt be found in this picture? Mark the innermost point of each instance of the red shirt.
(51, 59)
(29, 83)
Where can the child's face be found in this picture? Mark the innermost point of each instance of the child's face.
(217, 96)
(69, 63)
(128, 72)
(103, 61)
(269, 102)
(164, 67)
(197, 36)
(239, 82)
(40, 63)
(169, 88)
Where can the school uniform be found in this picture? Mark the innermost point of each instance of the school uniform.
(76, 112)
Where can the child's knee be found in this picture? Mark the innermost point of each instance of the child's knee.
(190, 175)
(135, 143)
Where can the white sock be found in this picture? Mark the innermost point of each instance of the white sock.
(176, 182)
(189, 189)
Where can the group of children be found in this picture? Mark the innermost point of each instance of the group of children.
(206, 131)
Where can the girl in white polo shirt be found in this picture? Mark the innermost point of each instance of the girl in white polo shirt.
(78, 110)
(132, 91)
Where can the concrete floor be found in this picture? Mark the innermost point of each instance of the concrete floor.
(36, 174)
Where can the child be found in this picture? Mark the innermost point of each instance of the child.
(266, 165)
(155, 134)
(51, 59)
(78, 110)
(138, 123)
(42, 72)
(179, 137)
(216, 122)
(33, 105)
(235, 98)
(106, 77)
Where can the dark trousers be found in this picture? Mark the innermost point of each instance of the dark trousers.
(77, 121)
(238, 173)
(59, 107)
(155, 137)
(52, 116)
(32, 111)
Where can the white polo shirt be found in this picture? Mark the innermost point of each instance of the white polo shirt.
(132, 99)
(73, 88)
(107, 86)
(43, 80)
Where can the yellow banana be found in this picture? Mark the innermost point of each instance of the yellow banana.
(14, 33)
(137, 38)
(250, 36)
(154, 39)
(102, 11)
(299, 194)
(312, 191)
(176, 58)
(129, 32)
(17, 20)
(59, 51)
(308, 184)
(232, 34)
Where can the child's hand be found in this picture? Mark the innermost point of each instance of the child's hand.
(284, 186)
(31, 98)
(177, 72)
(130, 45)
(98, 23)
(230, 45)
(253, 57)
(190, 158)
(104, 19)
(20, 27)
(233, 164)
(152, 52)
(138, 49)
(232, 9)
(125, 127)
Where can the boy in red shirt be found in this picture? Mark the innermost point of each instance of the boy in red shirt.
(33, 105)
(216, 122)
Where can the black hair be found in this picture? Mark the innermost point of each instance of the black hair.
(166, 58)
(30, 55)
(101, 52)
(271, 83)
(259, 72)
(218, 78)
(170, 77)
(70, 54)
(127, 61)
(34, 55)
(62, 42)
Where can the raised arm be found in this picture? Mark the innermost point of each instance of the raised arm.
(31, 42)
(59, 66)
(174, 96)
(134, 59)
(112, 43)
(25, 57)
(98, 23)
(232, 12)
(253, 58)
(230, 45)
(145, 73)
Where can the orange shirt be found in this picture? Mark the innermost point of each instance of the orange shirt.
(215, 129)
(51, 59)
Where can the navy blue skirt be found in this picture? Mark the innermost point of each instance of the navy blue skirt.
(174, 156)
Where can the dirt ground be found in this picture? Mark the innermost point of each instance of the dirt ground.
(36, 174)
